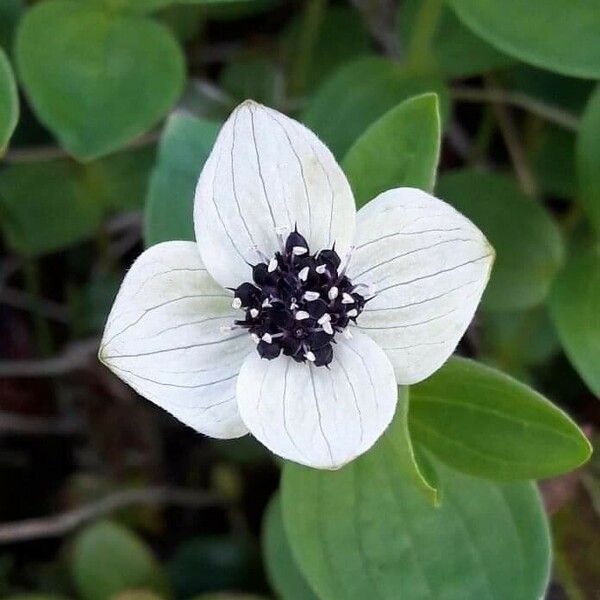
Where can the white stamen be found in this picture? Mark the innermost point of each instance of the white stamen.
(347, 298)
(272, 265)
(369, 287)
(310, 356)
(267, 338)
(266, 303)
(347, 333)
(227, 328)
(299, 250)
(260, 253)
(255, 338)
(324, 319)
(321, 269)
(310, 296)
(281, 236)
(301, 315)
(345, 262)
(352, 313)
(303, 275)
(332, 294)
(327, 328)
(237, 303)
(254, 312)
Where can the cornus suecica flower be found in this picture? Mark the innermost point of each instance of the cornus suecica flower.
(280, 319)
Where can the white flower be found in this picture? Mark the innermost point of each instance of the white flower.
(226, 333)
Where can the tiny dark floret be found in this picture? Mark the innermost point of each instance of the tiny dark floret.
(298, 302)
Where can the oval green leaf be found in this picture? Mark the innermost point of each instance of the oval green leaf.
(361, 532)
(284, 575)
(47, 206)
(404, 455)
(528, 244)
(559, 36)
(485, 423)
(359, 93)
(516, 339)
(121, 179)
(9, 102)
(96, 79)
(575, 311)
(109, 559)
(588, 159)
(184, 147)
(401, 149)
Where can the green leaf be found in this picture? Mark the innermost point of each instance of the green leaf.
(516, 339)
(96, 79)
(588, 159)
(553, 159)
(406, 458)
(557, 90)
(401, 149)
(575, 310)
(359, 93)
(528, 244)
(361, 532)
(184, 147)
(559, 36)
(485, 423)
(47, 206)
(211, 563)
(121, 179)
(10, 14)
(9, 102)
(132, 6)
(89, 306)
(287, 581)
(184, 20)
(455, 50)
(253, 77)
(109, 559)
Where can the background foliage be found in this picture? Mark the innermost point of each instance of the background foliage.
(108, 110)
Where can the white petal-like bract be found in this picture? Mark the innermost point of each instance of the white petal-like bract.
(428, 266)
(266, 175)
(166, 336)
(316, 416)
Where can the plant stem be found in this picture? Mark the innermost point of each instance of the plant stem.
(512, 140)
(553, 114)
(380, 19)
(311, 25)
(425, 26)
(44, 153)
(482, 139)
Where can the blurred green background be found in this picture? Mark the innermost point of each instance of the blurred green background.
(108, 109)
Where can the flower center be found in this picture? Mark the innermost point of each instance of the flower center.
(297, 303)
